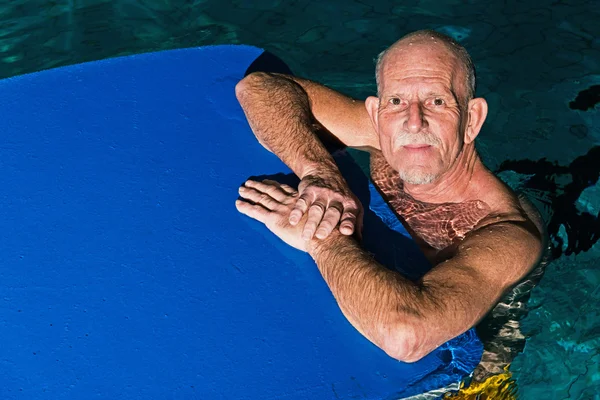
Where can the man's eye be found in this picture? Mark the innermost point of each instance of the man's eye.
(438, 102)
(395, 101)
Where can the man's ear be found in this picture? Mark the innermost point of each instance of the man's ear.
(372, 105)
(477, 112)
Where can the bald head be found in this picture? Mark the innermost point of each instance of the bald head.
(436, 42)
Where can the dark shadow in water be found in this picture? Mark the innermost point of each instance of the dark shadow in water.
(562, 186)
(268, 62)
(586, 99)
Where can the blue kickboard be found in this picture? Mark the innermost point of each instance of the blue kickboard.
(126, 271)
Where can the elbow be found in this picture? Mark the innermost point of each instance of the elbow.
(248, 84)
(404, 343)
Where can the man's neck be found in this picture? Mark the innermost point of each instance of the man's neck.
(454, 186)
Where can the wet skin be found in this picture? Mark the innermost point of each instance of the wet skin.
(480, 236)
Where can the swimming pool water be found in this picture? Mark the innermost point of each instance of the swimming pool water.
(537, 66)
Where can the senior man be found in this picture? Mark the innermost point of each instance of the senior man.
(481, 237)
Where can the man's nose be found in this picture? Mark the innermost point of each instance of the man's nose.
(416, 120)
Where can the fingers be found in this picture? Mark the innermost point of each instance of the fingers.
(272, 188)
(324, 215)
(330, 220)
(315, 214)
(348, 221)
(258, 197)
(324, 209)
(299, 209)
(255, 211)
(286, 188)
(290, 190)
(322, 220)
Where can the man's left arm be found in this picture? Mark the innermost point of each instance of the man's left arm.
(409, 320)
(406, 319)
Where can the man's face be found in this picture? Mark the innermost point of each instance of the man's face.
(419, 118)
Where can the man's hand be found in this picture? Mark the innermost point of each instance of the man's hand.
(327, 201)
(271, 203)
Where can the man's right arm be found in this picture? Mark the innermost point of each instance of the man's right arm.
(285, 113)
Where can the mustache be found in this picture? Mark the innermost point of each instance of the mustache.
(421, 138)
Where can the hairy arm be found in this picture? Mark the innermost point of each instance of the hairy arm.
(409, 320)
(286, 114)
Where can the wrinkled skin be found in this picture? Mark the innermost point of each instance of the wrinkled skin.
(271, 203)
(327, 202)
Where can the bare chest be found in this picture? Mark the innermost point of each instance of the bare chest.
(437, 225)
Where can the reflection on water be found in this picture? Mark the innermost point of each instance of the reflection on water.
(537, 65)
(38, 35)
(557, 189)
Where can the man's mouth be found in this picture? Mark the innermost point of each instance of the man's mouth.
(417, 146)
(421, 142)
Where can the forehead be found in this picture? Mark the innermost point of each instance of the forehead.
(422, 64)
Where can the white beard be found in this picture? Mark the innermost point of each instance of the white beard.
(417, 177)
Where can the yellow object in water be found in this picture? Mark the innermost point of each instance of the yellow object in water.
(496, 387)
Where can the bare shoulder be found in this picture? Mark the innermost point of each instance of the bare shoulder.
(513, 233)
(533, 214)
(508, 206)
(344, 117)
